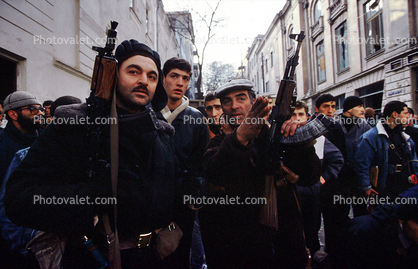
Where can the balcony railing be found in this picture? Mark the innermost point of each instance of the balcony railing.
(317, 28)
(335, 9)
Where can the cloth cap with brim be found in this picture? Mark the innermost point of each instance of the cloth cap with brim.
(233, 85)
(19, 99)
(409, 209)
(350, 102)
(129, 48)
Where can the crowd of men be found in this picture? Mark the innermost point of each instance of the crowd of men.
(169, 151)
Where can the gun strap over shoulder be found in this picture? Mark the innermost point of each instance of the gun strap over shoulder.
(113, 239)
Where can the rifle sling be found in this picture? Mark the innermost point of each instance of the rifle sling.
(114, 248)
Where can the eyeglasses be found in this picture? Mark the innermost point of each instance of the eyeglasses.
(34, 110)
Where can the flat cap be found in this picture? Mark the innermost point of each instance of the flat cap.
(234, 84)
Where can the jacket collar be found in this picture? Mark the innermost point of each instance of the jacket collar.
(381, 131)
(171, 116)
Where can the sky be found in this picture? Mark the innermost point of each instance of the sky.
(243, 21)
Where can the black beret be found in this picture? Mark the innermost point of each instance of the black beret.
(129, 48)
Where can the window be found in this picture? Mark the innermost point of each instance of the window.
(291, 41)
(267, 66)
(271, 58)
(372, 95)
(340, 101)
(267, 87)
(146, 21)
(342, 48)
(320, 59)
(374, 26)
(317, 11)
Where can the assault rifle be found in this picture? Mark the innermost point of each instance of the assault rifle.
(282, 208)
(100, 103)
(279, 175)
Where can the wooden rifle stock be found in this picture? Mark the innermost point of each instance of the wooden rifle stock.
(104, 77)
(105, 66)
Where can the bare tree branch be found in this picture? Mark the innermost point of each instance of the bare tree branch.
(182, 27)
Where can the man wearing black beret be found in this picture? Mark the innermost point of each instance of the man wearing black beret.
(146, 175)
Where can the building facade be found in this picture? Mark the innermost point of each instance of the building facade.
(46, 45)
(366, 48)
(182, 25)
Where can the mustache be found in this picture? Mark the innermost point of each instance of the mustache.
(141, 88)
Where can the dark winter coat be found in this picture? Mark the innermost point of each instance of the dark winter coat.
(377, 241)
(12, 140)
(240, 170)
(190, 140)
(57, 165)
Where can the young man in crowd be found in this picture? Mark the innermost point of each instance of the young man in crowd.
(214, 111)
(190, 140)
(344, 135)
(332, 161)
(391, 150)
(79, 167)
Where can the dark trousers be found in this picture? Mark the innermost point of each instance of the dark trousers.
(197, 252)
(233, 238)
(335, 214)
(237, 247)
(185, 220)
(311, 213)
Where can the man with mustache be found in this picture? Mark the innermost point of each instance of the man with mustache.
(190, 139)
(236, 163)
(76, 170)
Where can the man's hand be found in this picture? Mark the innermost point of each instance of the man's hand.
(369, 192)
(253, 121)
(289, 127)
(225, 127)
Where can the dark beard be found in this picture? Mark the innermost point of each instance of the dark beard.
(27, 124)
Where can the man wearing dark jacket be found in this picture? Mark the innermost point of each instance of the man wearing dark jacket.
(78, 171)
(332, 161)
(21, 131)
(190, 140)
(236, 166)
(346, 133)
(387, 238)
